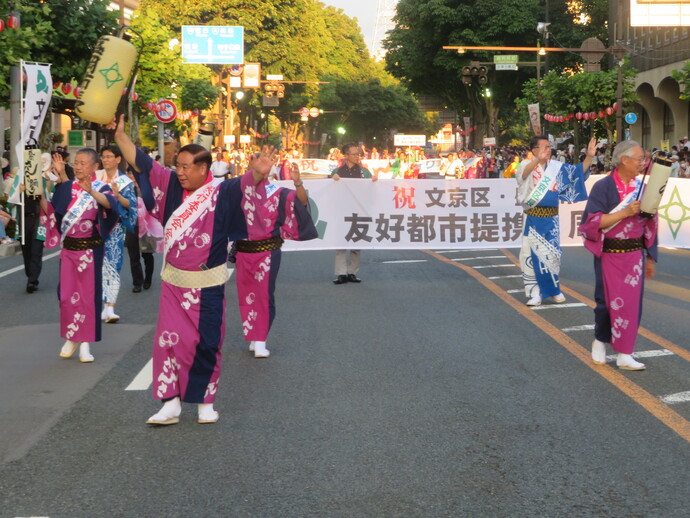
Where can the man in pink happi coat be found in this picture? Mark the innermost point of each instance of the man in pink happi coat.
(201, 216)
(273, 214)
(80, 216)
(625, 249)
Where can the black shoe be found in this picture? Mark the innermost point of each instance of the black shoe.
(351, 277)
(340, 279)
(136, 289)
(147, 284)
(31, 287)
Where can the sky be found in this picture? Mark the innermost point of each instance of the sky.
(365, 12)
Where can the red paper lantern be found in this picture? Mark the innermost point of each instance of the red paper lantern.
(2, 25)
(578, 116)
(66, 88)
(615, 106)
(56, 85)
(546, 116)
(609, 111)
(585, 116)
(135, 96)
(76, 91)
(13, 20)
(592, 115)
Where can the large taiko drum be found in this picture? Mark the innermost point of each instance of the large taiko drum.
(656, 184)
(106, 79)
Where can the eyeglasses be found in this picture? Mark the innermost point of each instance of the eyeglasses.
(640, 159)
(355, 154)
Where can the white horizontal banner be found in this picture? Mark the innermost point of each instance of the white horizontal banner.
(443, 214)
(321, 167)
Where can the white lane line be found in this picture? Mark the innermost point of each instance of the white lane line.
(458, 251)
(504, 277)
(679, 397)
(143, 380)
(406, 261)
(492, 266)
(480, 257)
(518, 290)
(21, 268)
(645, 354)
(551, 306)
(588, 327)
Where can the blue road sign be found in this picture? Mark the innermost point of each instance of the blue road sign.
(630, 118)
(213, 44)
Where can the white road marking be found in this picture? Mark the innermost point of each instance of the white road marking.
(504, 277)
(679, 397)
(493, 266)
(645, 354)
(551, 306)
(454, 251)
(588, 327)
(21, 268)
(480, 257)
(143, 380)
(516, 291)
(406, 261)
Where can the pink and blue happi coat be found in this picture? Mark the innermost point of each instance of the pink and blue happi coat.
(270, 211)
(619, 276)
(80, 287)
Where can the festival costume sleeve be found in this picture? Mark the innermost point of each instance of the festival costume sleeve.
(128, 216)
(153, 180)
(651, 237)
(298, 224)
(572, 183)
(107, 218)
(366, 173)
(598, 204)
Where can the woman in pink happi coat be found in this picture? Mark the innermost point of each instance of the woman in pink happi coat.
(80, 216)
(624, 245)
(273, 214)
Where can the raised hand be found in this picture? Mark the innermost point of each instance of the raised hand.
(261, 163)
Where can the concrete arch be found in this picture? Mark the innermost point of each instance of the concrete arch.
(654, 106)
(669, 91)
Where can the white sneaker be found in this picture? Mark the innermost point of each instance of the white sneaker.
(68, 349)
(558, 299)
(534, 301)
(85, 355)
(169, 414)
(206, 414)
(598, 352)
(626, 362)
(251, 346)
(260, 350)
(104, 313)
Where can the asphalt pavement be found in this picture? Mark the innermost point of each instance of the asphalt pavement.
(421, 392)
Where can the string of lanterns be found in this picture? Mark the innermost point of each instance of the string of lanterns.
(13, 21)
(609, 110)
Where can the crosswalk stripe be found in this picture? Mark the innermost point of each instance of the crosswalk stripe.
(143, 380)
(679, 397)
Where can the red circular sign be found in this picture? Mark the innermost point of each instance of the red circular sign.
(304, 112)
(166, 112)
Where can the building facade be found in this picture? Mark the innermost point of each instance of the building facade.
(655, 52)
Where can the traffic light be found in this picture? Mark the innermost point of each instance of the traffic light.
(274, 88)
(475, 70)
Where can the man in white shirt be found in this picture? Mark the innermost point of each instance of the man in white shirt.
(219, 168)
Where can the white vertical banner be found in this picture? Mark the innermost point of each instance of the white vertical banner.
(37, 90)
(534, 118)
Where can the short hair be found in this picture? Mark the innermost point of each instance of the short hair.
(623, 149)
(200, 155)
(114, 150)
(534, 141)
(89, 151)
(346, 147)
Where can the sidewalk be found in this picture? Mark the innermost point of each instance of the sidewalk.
(10, 249)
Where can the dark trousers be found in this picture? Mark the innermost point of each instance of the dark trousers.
(602, 319)
(32, 250)
(132, 244)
